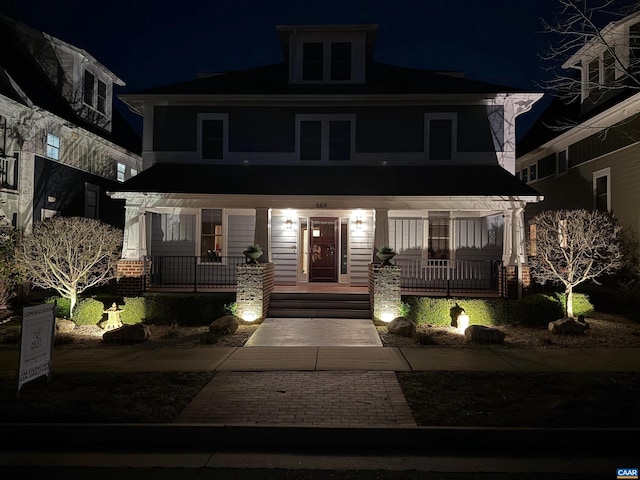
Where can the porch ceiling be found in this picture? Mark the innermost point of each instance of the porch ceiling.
(371, 181)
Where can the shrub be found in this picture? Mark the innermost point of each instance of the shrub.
(189, 310)
(88, 312)
(581, 304)
(404, 310)
(133, 310)
(538, 310)
(63, 305)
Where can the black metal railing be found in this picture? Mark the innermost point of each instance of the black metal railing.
(191, 272)
(451, 276)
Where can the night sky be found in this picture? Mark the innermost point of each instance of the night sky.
(150, 43)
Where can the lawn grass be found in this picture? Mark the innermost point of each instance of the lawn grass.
(100, 397)
(588, 399)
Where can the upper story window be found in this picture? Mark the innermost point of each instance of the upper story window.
(525, 174)
(326, 61)
(95, 92)
(634, 45)
(121, 172)
(602, 190)
(53, 146)
(212, 136)
(533, 172)
(325, 138)
(440, 136)
(561, 162)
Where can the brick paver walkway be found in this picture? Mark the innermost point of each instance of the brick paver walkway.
(328, 398)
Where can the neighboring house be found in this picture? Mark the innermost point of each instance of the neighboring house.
(62, 143)
(322, 160)
(593, 163)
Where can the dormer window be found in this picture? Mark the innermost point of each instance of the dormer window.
(326, 61)
(95, 92)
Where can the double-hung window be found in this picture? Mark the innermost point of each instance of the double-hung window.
(212, 136)
(325, 138)
(94, 92)
(211, 234)
(53, 146)
(602, 190)
(440, 135)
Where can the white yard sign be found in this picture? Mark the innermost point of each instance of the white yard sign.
(38, 324)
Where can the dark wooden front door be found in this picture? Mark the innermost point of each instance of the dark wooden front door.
(324, 254)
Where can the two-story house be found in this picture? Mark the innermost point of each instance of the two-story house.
(584, 155)
(62, 143)
(322, 160)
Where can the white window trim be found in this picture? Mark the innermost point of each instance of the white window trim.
(454, 134)
(324, 136)
(605, 172)
(225, 134)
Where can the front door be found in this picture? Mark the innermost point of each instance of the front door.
(323, 254)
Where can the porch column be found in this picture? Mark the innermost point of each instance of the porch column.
(381, 231)
(514, 254)
(133, 238)
(261, 235)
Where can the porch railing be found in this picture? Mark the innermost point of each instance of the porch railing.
(451, 276)
(191, 272)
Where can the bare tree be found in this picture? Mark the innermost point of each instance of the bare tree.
(69, 255)
(590, 25)
(573, 246)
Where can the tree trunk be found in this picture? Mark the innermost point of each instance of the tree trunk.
(569, 293)
(74, 299)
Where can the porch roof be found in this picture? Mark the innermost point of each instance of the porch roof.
(361, 180)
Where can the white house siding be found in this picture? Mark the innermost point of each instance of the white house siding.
(362, 250)
(284, 249)
(172, 235)
(406, 237)
(240, 233)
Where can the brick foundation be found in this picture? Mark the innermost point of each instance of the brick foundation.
(130, 277)
(509, 280)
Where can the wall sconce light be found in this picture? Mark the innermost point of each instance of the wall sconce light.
(359, 223)
(288, 223)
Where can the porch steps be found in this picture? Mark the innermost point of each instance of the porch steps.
(319, 305)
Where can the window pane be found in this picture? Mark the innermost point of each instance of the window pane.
(89, 82)
(440, 139)
(312, 59)
(438, 238)
(53, 146)
(634, 45)
(533, 172)
(608, 65)
(341, 61)
(340, 140)
(601, 194)
(211, 234)
(594, 74)
(562, 161)
(102, 97)
(212, 139)
(310, 140)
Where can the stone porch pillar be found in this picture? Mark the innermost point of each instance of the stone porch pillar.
(384, 292)
(253, 292)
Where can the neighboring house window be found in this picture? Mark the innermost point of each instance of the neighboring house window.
(562, 162)
(3, 135)
(438, 237)
(634, 45)
(95, 92)
(547, 166)
(608, 68)
(525, 174)
(121, 173)
(594, 74)
(211, 234)
(91, 196)
(134, 172)
(212, 136)
(326, 61)
(53, 146)
(533, 172)
(602, 190)
(440, 136)
(323, 138)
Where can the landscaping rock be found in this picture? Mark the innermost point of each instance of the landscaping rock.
(64, 326)
(224, 325)
(136, 333)
(568, 326)
(401, 326)
(483, 335)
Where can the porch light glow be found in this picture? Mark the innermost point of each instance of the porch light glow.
(288, 223)
(463, 323)
(359, 223)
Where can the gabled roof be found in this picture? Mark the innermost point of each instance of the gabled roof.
(381, 79)
(468, 180)
(21, 76)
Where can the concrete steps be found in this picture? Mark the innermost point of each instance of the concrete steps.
(319, 305)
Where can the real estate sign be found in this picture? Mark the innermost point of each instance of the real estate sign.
(38, 324)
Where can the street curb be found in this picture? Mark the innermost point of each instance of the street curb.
(432, 440)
